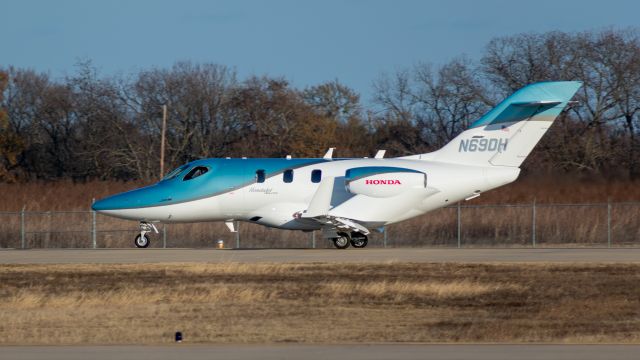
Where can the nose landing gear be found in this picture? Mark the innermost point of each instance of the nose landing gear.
(142, 240)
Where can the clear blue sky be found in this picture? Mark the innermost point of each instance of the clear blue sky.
(307, 42)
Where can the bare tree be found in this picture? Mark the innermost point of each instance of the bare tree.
(439, 103)
(92, 126)
(334, 100)
(11, 145)
(448, 100)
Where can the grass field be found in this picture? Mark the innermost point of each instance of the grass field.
(319, 303)
(67, 195)
(577, 226)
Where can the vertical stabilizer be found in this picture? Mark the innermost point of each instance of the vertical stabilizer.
(507, 134)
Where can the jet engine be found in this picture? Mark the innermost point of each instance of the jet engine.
(382, 181)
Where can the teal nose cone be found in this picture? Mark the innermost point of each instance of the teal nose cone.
(143, 197)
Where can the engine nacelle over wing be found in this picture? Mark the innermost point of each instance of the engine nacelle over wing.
(383, 181)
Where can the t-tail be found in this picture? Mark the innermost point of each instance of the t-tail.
(506, 135)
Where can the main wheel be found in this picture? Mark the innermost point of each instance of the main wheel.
(342, 241)
(359, 240)
(141, 241)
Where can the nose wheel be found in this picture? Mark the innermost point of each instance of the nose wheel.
(142, 240)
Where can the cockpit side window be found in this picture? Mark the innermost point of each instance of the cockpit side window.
(175, 172)
(195, 172)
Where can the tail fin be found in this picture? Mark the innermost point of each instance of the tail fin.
(506, 135)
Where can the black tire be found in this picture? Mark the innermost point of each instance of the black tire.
(141, 242)
(342, 241)
(359, 240)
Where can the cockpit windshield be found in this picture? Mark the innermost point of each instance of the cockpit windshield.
(195, 172)
(176, 172)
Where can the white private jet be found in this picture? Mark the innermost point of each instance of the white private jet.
(347, 198)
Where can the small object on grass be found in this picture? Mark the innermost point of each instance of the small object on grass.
(178, 336)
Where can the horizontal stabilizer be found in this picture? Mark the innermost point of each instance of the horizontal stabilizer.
(538, 103)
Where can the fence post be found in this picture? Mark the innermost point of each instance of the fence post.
(237, 234)
(93, 226)
(608, 222)
(459, 227)
(164, 235)
(533, 223)
(48, 238)
(23, 243)
(313, 239)
(384, 238)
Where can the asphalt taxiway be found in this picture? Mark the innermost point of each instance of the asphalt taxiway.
(132, 256)
(317, 352)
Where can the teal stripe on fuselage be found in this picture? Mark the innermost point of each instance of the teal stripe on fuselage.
(224, 175)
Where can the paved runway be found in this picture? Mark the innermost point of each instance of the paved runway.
(112, 256)
(315, 352)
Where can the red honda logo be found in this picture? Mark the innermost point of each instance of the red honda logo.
(383, 182)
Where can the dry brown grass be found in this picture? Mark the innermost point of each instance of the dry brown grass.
(568, 226)
(318, 303)
(67, 195)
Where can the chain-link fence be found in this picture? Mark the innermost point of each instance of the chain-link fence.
(517, 225)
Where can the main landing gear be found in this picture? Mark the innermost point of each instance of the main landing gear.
(356, 239)
(359, 240)
(142, 240)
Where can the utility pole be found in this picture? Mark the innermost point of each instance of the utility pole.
(162, 137)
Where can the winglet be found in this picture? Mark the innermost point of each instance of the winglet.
(380, 154)
(321, 201)
(328, 154)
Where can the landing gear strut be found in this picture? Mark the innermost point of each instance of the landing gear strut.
(359, 240)
(355, 239)
(142, 240)
(342, 241)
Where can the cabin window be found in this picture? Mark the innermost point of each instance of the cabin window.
(316, 176)
(260, 176)
(195, 172)
(287, 176)
(172, 174)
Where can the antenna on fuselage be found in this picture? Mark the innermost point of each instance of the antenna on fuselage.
(328, 154)
(380, 154)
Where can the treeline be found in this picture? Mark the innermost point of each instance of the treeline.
(88, 126)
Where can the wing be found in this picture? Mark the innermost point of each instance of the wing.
(318, 209)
